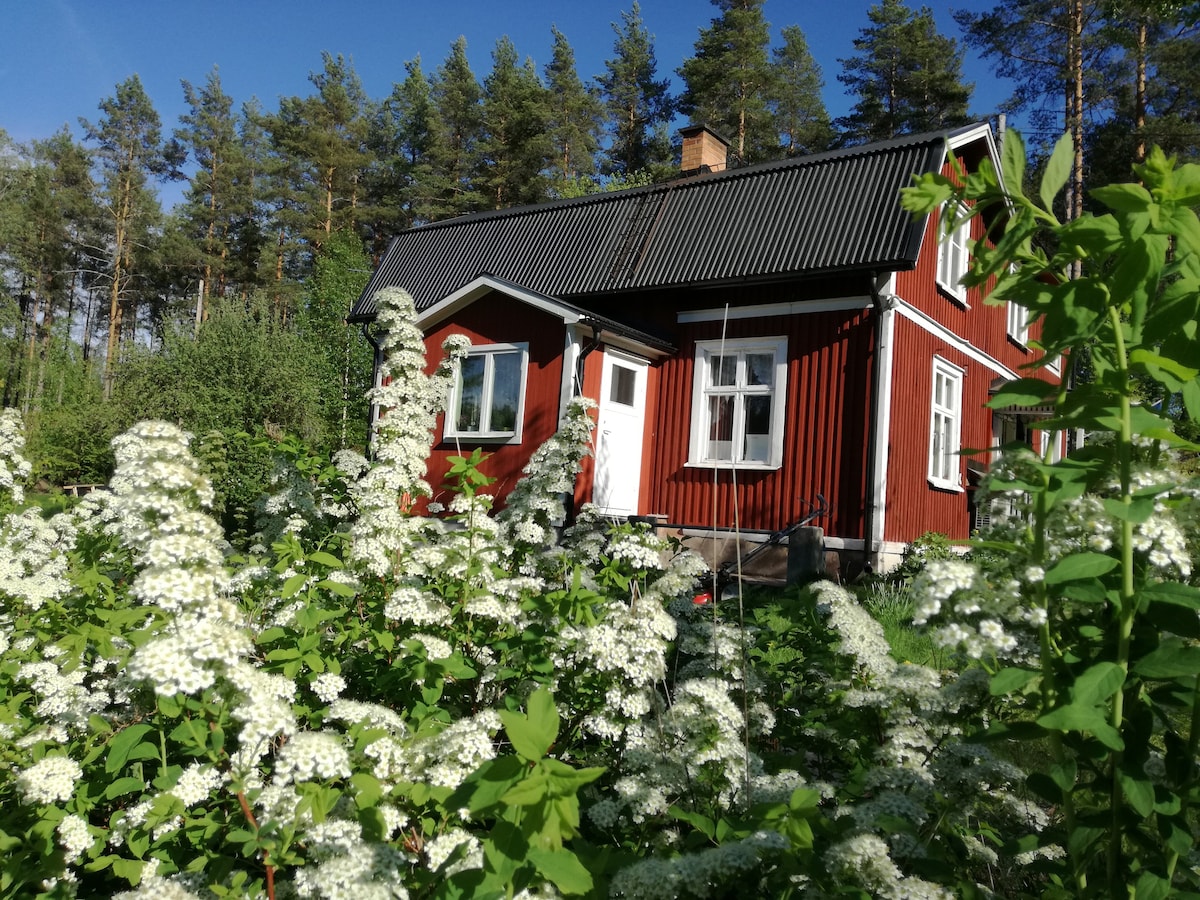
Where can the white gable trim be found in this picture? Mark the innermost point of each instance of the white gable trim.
(473, 290)
(937, 329)
(764, 310)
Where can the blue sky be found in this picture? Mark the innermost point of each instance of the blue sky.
(60, 58)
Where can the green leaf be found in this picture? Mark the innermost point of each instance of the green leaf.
(1151, 887)
(563, 869)
(337, 587)
(1058, 170)
(1172, 592)
(1008, 680)
(1171, 659)
(292, 585)
(1078, 566)
(367, 789)
(1012, 163)
(122, 746)
(1136, 511)
(1022, 392)
(505, 850)
(1138, 791)
(1126, 198)
(325, 559)
(121, 786)
(1097, 684)
(532, 735)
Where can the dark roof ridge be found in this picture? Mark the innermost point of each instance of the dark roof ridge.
(909, 140)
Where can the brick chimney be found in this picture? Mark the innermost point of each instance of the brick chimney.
(703, 150)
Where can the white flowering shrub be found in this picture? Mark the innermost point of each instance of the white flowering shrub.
(359, 701)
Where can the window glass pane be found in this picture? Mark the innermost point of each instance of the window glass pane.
(623, 383)
(720, 428)
(506, 391)
(760, 369)
(722, 370)
(757, 446)
(470, 395)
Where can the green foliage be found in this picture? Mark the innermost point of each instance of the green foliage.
(1120, 696)
(729, 81)
(240, 372)
(906, 76)
(638, 103)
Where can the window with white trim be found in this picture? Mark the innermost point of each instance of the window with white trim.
(487, 402)
(1018, 323)
(739, 389)
(945, 424)
(954, 252)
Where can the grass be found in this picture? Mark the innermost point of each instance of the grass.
(891, 604)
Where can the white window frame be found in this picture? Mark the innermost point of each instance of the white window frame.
(1017, 326)
(486, 433)
(703, 390)
(954, 252)
(945, 427)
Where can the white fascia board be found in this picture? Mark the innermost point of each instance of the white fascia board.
(932, 326)
(473, 290)
(765, 310)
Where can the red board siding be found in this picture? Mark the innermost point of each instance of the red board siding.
(829, 377)
(496, 319)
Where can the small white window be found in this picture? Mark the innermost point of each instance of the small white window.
(1018, 325)
(488, 399)
(954, 253)
(945, 424)
(738, 397)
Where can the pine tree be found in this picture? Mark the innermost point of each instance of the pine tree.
(515, 148)
(907, 76)
(730, 80)
(221, 191)
(638, 105)
(1058, 56)
(402, 137)
(130, 152)
(454, 153)
(51, 225)
(800, 115)
(574, 117)
(324, 138)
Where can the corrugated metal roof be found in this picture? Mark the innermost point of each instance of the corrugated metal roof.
(813, 215)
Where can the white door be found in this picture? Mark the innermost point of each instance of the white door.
(619, 433)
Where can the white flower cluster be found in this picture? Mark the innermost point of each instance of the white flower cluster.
(312, 755)
(863, 860)
(33, 559)
(409, 401)
(986, 618)
(14, 467)
(718, 871)
(73, 836)
(157, 490)
(51, 779)
(535, 504)
(64, 697)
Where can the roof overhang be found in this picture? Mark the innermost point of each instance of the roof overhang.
(608, 330)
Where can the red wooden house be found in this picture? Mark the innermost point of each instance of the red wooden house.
(753, 337)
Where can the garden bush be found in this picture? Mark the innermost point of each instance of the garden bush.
(357, 701)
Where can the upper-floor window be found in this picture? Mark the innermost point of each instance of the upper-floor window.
(1018, 323)
(488, 399)
(945, 425)
(738, 396)
(954, 252)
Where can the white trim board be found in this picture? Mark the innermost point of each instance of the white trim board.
(966, 348)
(765, 310)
